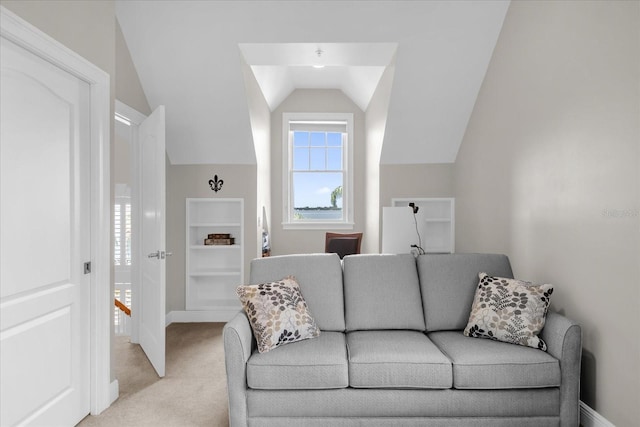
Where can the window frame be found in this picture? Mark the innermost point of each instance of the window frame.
(288, 219)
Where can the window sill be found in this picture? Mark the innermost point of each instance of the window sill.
(317, 225)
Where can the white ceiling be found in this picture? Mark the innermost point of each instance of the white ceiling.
(189, 56)
(354, 68)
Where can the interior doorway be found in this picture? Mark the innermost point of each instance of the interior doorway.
(122, 226)
(139, 227)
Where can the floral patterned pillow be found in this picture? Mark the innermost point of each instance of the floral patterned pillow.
(509, 310)
(277, 312)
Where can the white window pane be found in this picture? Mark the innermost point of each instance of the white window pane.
(300, 139)
(334, 158)
(117, 234)
(312, 196)
(128, 232)
(313, 189)
(301, 159)
(318, 139)
(318, 159)
(334, 139)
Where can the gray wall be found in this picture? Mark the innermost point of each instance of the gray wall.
(375, 127)
(128, 87)
(548, 174)
(128, 90)
(185, 181)
(260, 117)
(432, 180)
(86, 27)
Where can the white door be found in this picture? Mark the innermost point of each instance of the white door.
(152, 289)
(45, 239)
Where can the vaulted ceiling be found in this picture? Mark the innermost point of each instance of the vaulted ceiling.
(189, 57)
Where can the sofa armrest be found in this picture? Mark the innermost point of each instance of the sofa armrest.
(238, 345)
(564, 342)
(238, 336)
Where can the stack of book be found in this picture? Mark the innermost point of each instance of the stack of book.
(219, 239)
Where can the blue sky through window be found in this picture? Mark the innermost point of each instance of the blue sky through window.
(313, 189)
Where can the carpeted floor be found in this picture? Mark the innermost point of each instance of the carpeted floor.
(193, 392)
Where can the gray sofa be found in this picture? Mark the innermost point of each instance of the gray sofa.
(392, 352)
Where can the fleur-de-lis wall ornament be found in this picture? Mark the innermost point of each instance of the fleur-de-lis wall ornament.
(216, 184)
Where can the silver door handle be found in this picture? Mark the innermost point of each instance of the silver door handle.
(160, 254)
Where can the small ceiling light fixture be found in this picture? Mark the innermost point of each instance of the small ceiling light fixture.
(319, 52)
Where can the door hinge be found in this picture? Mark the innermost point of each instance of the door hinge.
(87, 267)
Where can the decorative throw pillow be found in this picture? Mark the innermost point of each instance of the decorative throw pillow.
(509, 310)
(277, 312)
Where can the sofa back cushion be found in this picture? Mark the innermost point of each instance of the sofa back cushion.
(448, 283)
(320, 280)
(382, 292)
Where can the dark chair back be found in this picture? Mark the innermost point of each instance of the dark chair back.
(343, 243)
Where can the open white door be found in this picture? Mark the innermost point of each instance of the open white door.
(151, 294)
(46, 239)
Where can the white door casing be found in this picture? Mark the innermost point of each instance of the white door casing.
(54, 216)
(44, 211)
(152, 261)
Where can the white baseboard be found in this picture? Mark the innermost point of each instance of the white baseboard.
(200, 316)
(590, 418)
(114, 391)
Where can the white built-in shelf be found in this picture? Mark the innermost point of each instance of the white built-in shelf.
(435, 223)
(214, 271)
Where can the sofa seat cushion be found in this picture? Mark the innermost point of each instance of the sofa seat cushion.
(396, 359)
(320, 363)
(488, 364)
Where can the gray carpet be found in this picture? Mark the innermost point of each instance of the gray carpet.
(193, 392)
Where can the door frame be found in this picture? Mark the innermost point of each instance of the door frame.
(27, 36)
(135, 118)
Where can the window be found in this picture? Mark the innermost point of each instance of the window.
(318, 170)
(122, 233)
